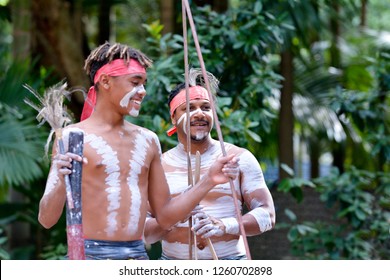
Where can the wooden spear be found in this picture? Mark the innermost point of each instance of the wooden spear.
(51, 109)
(218, 128)
(191, 236)
(197, 178)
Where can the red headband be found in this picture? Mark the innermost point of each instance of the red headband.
(117, 67)
(195, 92)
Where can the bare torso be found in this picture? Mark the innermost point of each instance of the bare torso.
(217, 203)
(115, 181)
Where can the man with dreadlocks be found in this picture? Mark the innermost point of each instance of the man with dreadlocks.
(123, 174)
(217, 221)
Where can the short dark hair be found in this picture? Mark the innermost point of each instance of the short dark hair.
(178, 88)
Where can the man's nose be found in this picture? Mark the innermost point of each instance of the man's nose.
(141, 90)
(198, 112)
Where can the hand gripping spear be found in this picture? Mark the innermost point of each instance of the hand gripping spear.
(186, 10)
(197, 178)
(191, 236)
(50, 109)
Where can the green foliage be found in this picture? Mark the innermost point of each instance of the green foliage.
(245, 84)
(241, 48)
(21, 154)
(22, 145)
(295, 186)
(20, 149)
(54, 252)
(360, 228)
(4, 255)
(368, 114)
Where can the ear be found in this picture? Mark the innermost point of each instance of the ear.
(104, 81)
(173, 119)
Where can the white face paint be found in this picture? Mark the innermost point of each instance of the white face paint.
(126, 100)
(199, 135)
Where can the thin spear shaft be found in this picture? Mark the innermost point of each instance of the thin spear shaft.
(197, 178)
(189, 167)
(218, 128)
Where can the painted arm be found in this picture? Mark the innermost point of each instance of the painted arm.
(53, 199)
(259, 219)
(169, 211)
(154, 233)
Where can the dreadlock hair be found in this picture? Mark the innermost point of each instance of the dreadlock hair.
(108, 52)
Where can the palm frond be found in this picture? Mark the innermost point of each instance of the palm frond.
(20, 151)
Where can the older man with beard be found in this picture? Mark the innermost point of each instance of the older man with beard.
(215, 218)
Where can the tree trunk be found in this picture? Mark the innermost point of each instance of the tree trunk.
(19, 232)
(58, 41)
(286, 117)
(167, 11)
(315, 153)
(219, 6)
(338, 151)
(21, 21)
(104, 21)
(335, 31)
(363, 14)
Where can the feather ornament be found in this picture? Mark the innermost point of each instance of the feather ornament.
(51, 109)
(195, 77)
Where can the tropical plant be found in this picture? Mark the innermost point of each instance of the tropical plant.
(360, 227)
(21, 157)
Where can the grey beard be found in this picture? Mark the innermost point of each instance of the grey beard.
(199, 136)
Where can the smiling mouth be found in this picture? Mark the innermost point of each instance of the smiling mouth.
(199, 123)
(138, 102)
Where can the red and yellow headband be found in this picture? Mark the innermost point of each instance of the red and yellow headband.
(117, 67)
(195, 92)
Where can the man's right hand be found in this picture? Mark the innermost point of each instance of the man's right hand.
(224, 169)
(64, 162)
(207, 226)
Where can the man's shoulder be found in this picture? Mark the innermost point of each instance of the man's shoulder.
(147, 133)
(232, 148)
(72, 128)
(173, 152)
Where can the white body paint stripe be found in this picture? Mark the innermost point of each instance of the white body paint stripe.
(142, 143)
(113, 189)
